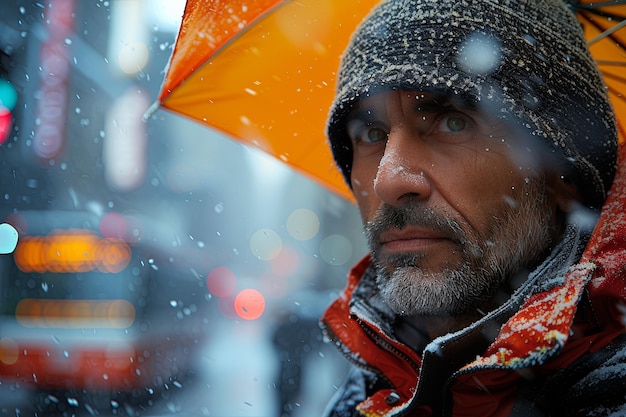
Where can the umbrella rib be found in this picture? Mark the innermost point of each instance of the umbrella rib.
(585, 11)
(222, 46)
(605, 33)
(608, 33)
(151, 110)
(611, 63)
(614, 77)
(599, 4)
(617, 94)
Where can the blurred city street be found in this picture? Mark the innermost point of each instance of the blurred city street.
(160, 268)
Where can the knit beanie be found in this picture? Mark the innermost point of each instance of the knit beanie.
(525, 61)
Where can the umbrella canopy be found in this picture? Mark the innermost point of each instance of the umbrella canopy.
(604, 23)
(263, 72)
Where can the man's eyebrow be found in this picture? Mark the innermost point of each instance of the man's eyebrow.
(365, 114)
(436, 104)
(426, 104)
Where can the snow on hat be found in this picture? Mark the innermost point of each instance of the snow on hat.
(534, 66)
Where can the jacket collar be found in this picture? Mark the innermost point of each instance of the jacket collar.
(365, 302)
(361, 326)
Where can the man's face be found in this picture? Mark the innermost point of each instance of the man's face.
(453, 204)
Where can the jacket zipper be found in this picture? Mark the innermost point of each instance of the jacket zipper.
(385, 345)
(346, 353)
(380, 341)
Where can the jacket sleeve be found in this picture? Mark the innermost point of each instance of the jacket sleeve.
(592, 386)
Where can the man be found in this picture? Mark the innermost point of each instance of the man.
(480, 145)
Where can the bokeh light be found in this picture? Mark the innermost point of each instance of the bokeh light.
(266, 244)
(71, 251)
(303, 224)
(54, 79)
(112, 255)
(113, 225)
(8, 238)
(6, 121)
(221, 282)
(336, 250)
(117, 314)
(9, 351)
(125, 141)
(249, 304)
(8, 100)
(133, 57)
(8, 94)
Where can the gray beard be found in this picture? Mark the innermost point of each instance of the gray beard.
(515, 240)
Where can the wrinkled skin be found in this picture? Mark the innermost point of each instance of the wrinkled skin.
(454, 203)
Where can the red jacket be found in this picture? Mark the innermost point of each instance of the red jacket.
(561, 351)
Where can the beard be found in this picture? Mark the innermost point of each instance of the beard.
(518, 234)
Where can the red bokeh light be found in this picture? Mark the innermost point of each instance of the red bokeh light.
(249, 304)
(221, 282)
(5, 123)
(113, 225)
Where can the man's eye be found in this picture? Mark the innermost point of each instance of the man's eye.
(454, 124)
(373, 134)
(364, 132)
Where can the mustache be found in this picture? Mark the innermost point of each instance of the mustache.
(398, 217)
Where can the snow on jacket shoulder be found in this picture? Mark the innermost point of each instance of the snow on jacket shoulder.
(558, 348)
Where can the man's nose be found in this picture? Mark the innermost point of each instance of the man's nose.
(402, 172)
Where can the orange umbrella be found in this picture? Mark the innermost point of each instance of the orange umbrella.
(604, 23)
(263, 72)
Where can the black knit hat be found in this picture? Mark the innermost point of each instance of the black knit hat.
(534, 70)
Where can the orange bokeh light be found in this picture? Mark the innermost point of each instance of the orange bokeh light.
(71, 251)
(118, 314)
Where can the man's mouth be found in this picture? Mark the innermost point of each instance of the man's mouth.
(411, 240)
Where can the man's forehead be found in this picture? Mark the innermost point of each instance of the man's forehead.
(421, 101)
